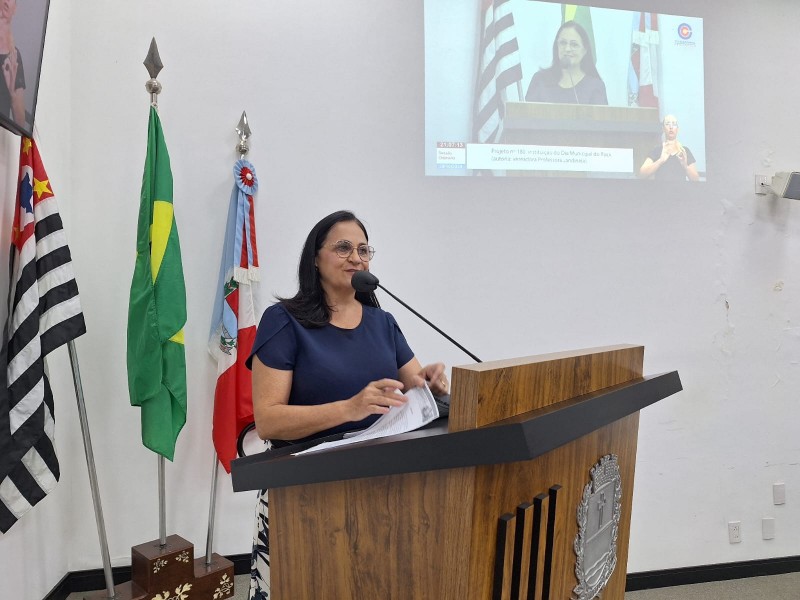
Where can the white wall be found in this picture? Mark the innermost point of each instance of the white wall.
(705, 276)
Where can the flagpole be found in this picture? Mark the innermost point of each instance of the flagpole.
(243, 129)
(87, 446)
(153, 64)
(212, 505)
(162, 504)
(158, 566)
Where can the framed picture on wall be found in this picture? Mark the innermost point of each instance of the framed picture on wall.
(22, 28)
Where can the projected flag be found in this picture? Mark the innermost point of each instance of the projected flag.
(582, 15)
(498, 69)
(44, 313)
(643, 70)
(233, 328)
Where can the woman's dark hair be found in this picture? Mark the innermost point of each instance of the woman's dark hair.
(553, 72)
(308, 306)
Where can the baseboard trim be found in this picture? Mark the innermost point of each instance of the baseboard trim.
(707, 573)
(95, 579)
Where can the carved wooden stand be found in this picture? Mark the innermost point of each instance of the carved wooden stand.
(172, 573)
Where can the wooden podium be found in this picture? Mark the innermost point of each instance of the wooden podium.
(483, 506)
(582, 125)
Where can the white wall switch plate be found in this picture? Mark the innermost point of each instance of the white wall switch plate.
(779, 493)
(768, 528)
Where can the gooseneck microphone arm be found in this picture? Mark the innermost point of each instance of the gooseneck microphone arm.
(460, 347)
(566, 66)
(364, 281)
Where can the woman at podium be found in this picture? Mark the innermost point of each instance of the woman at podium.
(572, 78)
(328, 360)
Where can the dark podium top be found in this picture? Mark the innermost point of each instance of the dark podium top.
(522, 437)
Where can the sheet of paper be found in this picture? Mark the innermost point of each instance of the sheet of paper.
(420, 410)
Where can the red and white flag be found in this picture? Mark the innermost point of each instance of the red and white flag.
(233, 328)
(643, 70)
(44, 313)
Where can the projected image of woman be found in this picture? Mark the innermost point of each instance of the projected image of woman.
(671, 160)
(572, 78)
(12, 89)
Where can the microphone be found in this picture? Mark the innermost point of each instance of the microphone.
(364, 281)
(565, 64)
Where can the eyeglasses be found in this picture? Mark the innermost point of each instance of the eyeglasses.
(670, 123)
(572, 44)
(344, 248)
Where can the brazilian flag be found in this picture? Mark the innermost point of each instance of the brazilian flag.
(157, 309)
(582, 16)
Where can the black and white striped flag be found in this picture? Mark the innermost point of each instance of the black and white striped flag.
(44, 312)
(498, 69)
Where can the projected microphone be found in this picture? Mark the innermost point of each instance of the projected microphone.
(565, 64)
(364, 281)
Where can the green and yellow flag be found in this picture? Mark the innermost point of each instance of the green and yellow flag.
(157, 310)
(582, 15)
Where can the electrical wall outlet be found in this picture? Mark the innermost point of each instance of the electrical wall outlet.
(762, 184)
(734, 532)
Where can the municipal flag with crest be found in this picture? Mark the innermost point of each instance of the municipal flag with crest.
(233, 327)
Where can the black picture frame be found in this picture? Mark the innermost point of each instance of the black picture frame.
(28, 24)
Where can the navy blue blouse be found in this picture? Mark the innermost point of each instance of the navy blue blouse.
(589, 90)
(330, 363)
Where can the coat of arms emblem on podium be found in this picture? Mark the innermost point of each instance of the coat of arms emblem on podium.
(598, 525)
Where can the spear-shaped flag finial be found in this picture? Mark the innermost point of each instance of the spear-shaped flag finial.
(243, 129)
(153, 61)
(154, 65)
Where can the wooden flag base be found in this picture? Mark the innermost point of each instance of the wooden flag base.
(172, 573)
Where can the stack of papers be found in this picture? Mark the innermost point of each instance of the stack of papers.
(419, 410)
